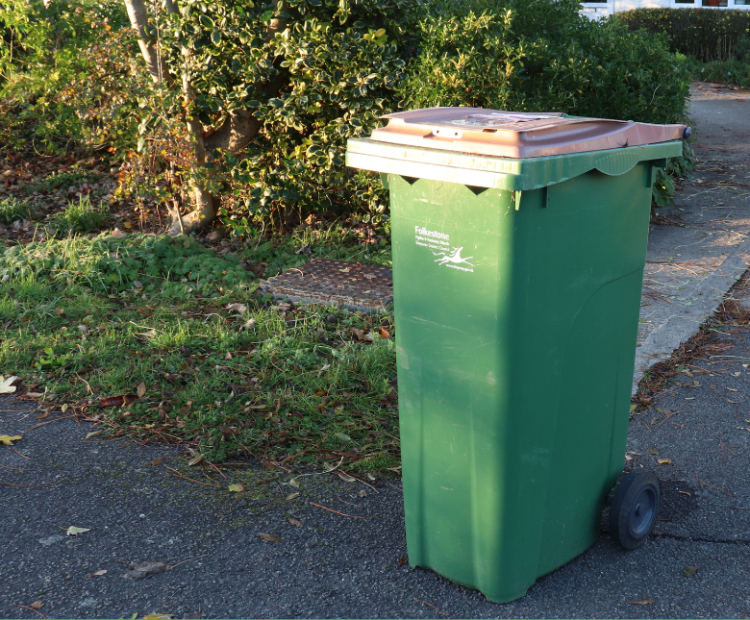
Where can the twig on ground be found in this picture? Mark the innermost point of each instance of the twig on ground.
(21, 455)
(712, 486)
(337, 512)
(65, 417)
(34, 610)
(197, 557)
(419, 600)
(727, 449)
(179, 475)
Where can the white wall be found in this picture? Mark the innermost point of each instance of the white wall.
(595, 10)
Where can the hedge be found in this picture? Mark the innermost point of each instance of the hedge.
(707, 34)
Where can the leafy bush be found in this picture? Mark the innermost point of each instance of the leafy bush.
(80, 217)
(161, 264)
(544, 56)
(69, 75)
(707, 34)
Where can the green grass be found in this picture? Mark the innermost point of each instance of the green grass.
(88, 319)
(80, 217)
(14, 210)
(335, 241)
(64, 181)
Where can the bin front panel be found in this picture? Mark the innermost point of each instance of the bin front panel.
(516, 321)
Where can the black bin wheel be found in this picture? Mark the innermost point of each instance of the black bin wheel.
(634, 509)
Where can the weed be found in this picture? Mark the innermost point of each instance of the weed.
(14, 210)
(80, 217)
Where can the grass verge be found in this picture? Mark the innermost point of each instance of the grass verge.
(167, 341)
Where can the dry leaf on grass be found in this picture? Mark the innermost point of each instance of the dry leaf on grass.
(141, 389)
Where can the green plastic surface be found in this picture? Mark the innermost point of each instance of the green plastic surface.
(516, 321)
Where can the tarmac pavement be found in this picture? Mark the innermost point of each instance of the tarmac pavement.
(338, 549)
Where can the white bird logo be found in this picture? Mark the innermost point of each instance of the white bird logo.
(454, 257)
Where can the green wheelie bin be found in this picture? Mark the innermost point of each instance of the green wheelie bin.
(519, 242)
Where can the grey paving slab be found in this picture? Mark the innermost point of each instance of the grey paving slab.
(704, 247)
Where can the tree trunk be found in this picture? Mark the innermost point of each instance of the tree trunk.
(139, 21)
(238, 129)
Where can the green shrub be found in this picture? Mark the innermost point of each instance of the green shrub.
(68, 77)
(707, 34)
(80, 217)
(499, 55)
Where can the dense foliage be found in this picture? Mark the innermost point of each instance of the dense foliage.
(544, 57)
(75, 72)
(69, 76)
(707, 34)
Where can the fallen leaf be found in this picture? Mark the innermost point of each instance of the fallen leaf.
(74, 531)
(646, 601)
(235, 488)
(5, 385)
(664, 461)
(291, 496)
(37, 604)
(293, 483)
(144, 570)
(137, 284)
(344, 270)
(685, 493)
(34, 394)
(155, 616)
(384, 333)
(195, 460)
(238, 308)
(654, 452)
(127, 225)
(690, 571)
(141, 389)
(8, 440)
(370, 477)
(346, 478)
(93, 434)
(342, 436)
(112, 401)
(295, 522)
(362, 493)
(118, 234)
(270, 537)
(97, 573)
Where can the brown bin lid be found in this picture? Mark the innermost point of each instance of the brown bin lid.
(520, 135)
